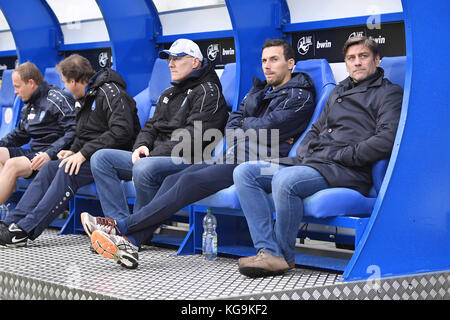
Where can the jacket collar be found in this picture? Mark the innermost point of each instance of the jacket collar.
(298, 80)
(42, 89)
(374, 80)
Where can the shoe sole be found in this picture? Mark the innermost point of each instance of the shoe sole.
(86, 229)
(106, 248)
(259, 272)
(16, 245)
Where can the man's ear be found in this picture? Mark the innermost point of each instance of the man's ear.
(291, 64)
(197, 63)
(377, 60)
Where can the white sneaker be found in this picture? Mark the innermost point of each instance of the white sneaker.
(91, 223)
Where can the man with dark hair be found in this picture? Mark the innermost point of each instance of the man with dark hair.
(106, 118)
(47, 122)
(280, 106)
(356, 128)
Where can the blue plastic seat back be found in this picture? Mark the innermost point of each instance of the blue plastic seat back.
(378, 172)
(228, 81)
(10, 115)
(7, 95)
(159, 81)
(10, 104)
(53, 77)
(394, 69)
(322, 75)
(146, 99)
(143, 105)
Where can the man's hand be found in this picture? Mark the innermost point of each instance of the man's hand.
(64, 154)
(140, 152)
(290, 140)
(38, 161)
(73, 163)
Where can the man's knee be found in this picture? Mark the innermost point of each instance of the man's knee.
(19, 167)
(99, 159)
(4, 155)
(151, 168)
(245, 170)
(283, 179)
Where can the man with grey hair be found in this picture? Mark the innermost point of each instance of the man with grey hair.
(195, 96)
(356, 128)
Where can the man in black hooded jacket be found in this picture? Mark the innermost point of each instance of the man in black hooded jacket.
(106, 117)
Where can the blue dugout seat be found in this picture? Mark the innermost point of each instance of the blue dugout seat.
(10, 104)
(53, 77)
(394, 69)
(228, 81)
(159, 81)
(347, 202)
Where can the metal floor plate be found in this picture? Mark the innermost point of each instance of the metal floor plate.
(62, 267)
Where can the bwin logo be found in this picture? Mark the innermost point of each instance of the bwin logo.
(212, 51)
(303, 44)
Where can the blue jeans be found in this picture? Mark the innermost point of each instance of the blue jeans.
(176, 192)
(289, 186)
(110, 166)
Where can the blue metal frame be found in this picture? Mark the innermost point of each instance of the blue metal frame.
(250, 32)
(36, 31)
(133, 30)
(196, 36)
(343, 22)
(409, 230)
(8, 53)
(85, 46)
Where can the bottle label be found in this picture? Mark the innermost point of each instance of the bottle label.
(209, 244)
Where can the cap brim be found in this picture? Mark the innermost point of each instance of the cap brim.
(164, 54)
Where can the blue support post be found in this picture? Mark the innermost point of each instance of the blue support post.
(253, 22)
(409, 230)
(36, 31)
(133, 28)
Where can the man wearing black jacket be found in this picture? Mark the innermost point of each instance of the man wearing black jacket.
(356, 128)
(47, 119)
(106, 118)
(195, 96)
(279, 107)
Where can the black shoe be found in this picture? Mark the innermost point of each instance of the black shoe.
(13, 236)
(3, 226)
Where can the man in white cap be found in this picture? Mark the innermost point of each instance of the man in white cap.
(196, 95)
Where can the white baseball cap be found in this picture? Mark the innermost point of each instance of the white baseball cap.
(182, 47)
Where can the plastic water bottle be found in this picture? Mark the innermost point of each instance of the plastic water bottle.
(209, 236)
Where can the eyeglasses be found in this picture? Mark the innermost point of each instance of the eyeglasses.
(176, 59)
